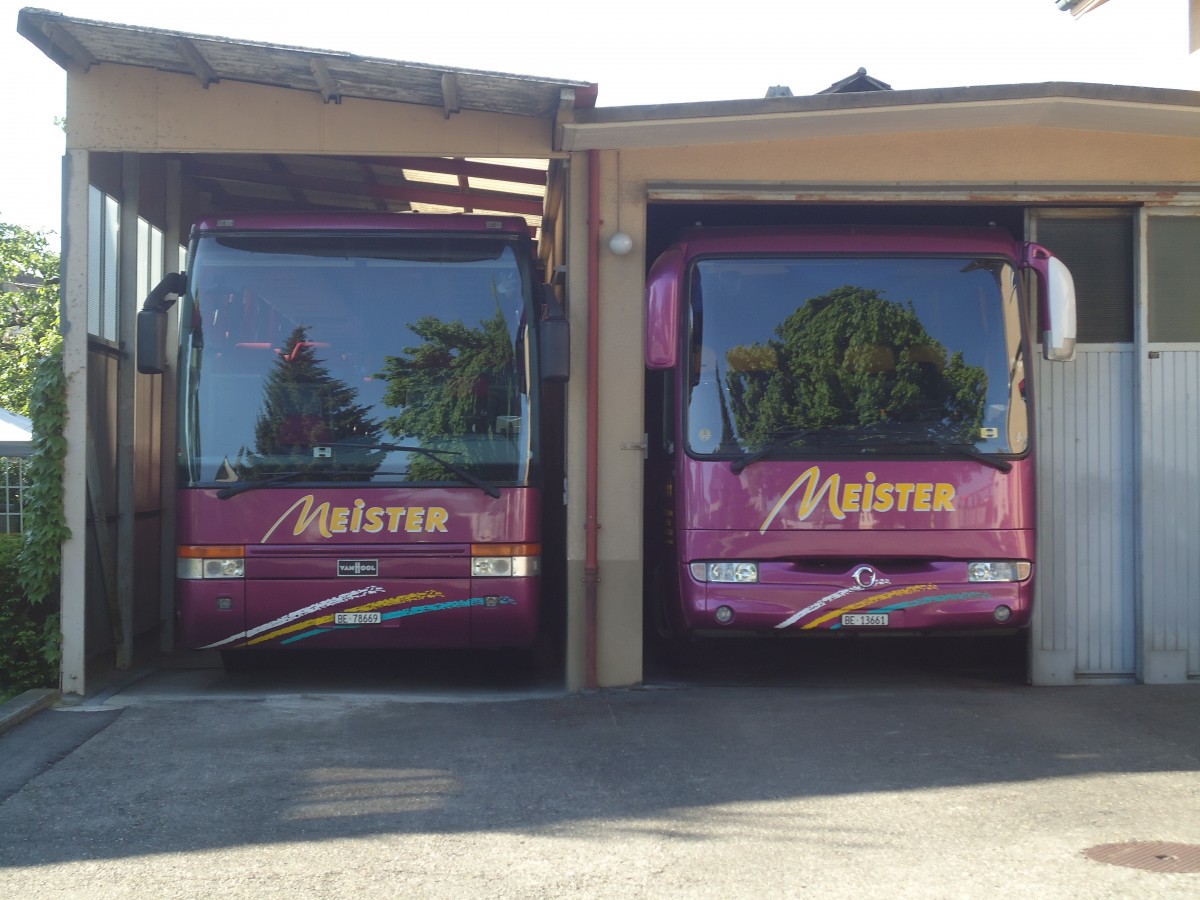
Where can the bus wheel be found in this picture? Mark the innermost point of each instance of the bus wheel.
(657, 619)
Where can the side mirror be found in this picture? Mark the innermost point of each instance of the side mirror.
(151, 349)
(1056, 303)
(664, 287)
(554, 338)
(151, 341)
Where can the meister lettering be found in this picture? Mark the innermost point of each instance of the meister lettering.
(328, 520)
(868, 496)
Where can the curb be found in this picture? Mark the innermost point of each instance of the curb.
(21, 707)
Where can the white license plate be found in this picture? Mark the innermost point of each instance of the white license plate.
(357, 618)
(868, 619)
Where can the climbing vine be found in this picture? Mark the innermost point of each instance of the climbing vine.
(30, 647)
(46, 522)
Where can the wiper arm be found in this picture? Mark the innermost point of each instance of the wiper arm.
(791, 437)
(242, 486)
(440, 456)
(964, 450)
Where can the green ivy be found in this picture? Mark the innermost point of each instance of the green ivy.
(30, 645)
(29, 633)
(45, 518)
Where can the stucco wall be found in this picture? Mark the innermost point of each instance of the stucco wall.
(127, 108)
(1022, 165)
(1020, 156)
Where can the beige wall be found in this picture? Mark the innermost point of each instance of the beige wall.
(1021, 156)
(116, 108)
(1024, 163)
(127, 108)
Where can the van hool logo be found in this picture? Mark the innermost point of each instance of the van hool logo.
(866, 496)
(358, 567)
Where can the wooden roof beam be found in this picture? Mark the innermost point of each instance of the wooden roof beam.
(67, 50)
(448, 166)
(331, 91)
(195, 60)
(449, 93)
(407, 193)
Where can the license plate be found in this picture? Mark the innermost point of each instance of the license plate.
(357, 618)
(861, 619)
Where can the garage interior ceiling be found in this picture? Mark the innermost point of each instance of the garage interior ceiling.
(276, 182)
(245, 183)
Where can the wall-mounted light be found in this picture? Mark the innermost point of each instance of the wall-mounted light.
(620, 243)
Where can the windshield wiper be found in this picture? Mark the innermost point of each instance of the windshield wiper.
(784, 440)
(967, 451)
(438, 455)
(242, 486)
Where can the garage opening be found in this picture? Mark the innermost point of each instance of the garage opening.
(267, 322)
(840, 413)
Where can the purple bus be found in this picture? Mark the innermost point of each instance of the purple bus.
(840, 429)
(359, 409)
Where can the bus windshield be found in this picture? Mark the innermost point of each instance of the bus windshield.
(842, 357)
(314, 357)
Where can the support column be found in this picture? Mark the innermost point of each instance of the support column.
(173, 235)
(127, 272)
(74, 328)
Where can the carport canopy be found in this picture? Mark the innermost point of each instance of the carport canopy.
(279, 182)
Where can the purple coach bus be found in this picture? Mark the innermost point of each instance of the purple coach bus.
(359, 453)
(840, 428)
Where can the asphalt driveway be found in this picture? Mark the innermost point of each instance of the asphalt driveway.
(189, 783)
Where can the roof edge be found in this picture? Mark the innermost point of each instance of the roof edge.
(44, 29)
(1050, 90)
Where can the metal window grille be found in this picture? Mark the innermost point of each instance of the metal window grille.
(12, 484)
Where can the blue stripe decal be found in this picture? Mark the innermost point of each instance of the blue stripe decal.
(404, 613)
(940, 598)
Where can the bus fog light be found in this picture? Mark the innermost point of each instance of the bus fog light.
(732, 572)
(998, 570)
(724, 615)
(1002, 614)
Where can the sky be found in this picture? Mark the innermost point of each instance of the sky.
(643, 52)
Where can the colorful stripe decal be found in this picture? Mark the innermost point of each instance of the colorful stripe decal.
(403, 613)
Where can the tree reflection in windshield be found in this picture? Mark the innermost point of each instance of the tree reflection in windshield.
(457, 392)
(843, 362)
(305, 411)
(851, 358)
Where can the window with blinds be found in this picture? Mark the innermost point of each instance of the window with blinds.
(1098, 249)
(1173, 270)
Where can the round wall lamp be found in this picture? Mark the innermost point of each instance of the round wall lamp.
(620, 243)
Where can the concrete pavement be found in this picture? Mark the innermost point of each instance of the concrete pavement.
(902, 783)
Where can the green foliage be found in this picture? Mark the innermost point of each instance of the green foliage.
(28, 315)
(32, 383)
(851, 358)
(29, 633)
(456, 383)
(45, 519)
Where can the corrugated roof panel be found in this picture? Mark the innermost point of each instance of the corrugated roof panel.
(82, 43)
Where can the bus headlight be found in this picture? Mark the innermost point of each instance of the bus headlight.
(740, 572)
(210, 562)
(505, 560)
(998, 570)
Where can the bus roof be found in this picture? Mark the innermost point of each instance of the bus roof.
(362, 221)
